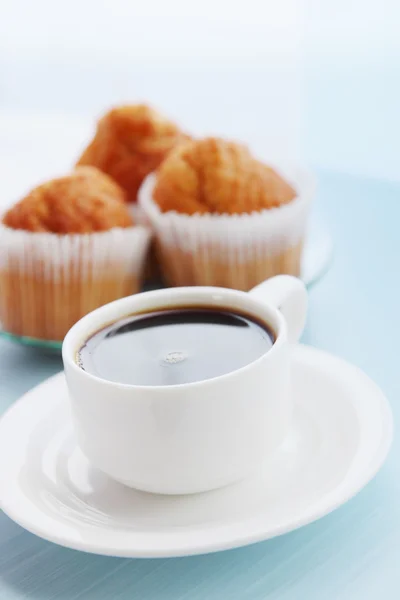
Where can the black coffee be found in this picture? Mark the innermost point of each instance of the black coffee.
(170, 347)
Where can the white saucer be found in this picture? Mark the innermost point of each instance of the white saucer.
(340, 437)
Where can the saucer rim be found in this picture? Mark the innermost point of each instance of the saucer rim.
(237, 540)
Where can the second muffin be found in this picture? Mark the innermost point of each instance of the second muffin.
(130, 142)
(223, 218)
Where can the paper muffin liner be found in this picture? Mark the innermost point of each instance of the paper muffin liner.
(49, 281)
(237, 251)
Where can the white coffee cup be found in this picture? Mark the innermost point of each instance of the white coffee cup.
(193, 437)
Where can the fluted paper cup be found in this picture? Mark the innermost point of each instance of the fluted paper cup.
(49, 281)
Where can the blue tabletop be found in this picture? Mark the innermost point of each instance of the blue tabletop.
(354, 553)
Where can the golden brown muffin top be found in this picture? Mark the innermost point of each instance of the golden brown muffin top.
(130, 142)
(83, 202)
(217, 176)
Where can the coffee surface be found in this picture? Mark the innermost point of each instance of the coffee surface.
(171, 347)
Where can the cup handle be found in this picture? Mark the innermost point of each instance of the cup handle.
(289, 295)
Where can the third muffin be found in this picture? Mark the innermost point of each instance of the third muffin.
(224, 218)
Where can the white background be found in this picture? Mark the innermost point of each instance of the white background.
(317, 79)
(352, 62)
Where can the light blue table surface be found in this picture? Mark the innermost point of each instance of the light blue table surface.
(353, 553)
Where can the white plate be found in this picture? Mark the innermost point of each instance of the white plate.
(340, 437)
(317, 254)
(317, 257)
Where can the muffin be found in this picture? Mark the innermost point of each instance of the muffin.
(130, 142)
(66, 248)
(221, 217)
